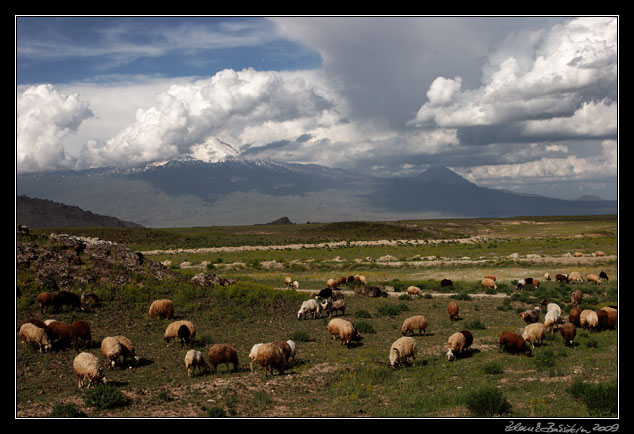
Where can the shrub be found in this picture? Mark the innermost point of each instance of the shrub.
(105, 396)
(487, 401)
(405, 297)
(300, 336)
(493, 368)
(364, 327)
(392, 309)
(474, 324)
(600, 399)
(66, 410)
(362, 313)
(216, 412)
(545, 359)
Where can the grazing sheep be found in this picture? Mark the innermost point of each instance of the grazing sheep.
(575, 277)
(36, 322)
(253, 354)
(528, 280)
(603, 275)
(331, 283)
(223, 353)
(30, 333)
(375, 291)
(326, 306)
(488, 283)
(293, 347)
(271, 357)
(576, 297)
(184, 335)
(491, 276)
(111, 350)
(161, 309)
(308, 307)
(552, 320)
(534, 333)
(588, 319)
(416, 322)
(344, 330)
(599, 253)
(568, 332)
(61, 334)
(66, 298)
(80, 333)
(574, 316)
(402, 349)
(593, 278)
(551, 306)
(171, 332)
(360, 279)
(285, 347)
(414, 290)
(89, 298)
(446, 282)
(452, 308)
(339, 306)
(561, 278)
(612, 317)
(288, 281)
(88, 370)
(535, 283)
(520, 284)
(514, 343)
(341, 281)
(324, 293)
(468, 339)
(531, 316)
(44, 300)
(295, 284)
(454, 345)
(128, 352)
(547, 276)
(194, 361)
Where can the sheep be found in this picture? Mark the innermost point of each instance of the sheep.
(36, 322)
(337, 295)
(285, 347)
(468, 339)
(61, 333)
(375, 291)
(223, 353)
(551, 306)
(308, 307)
(128, 352)
(184, 335)
(161, 309)
(452, 309)
(253, 354)
(44, 300)
(331, 283)
(414, 290)
(171, 332)
(271, 357)
(599, 253)
(491, 276)
(402, 349)
(574, 316)
(416, 322)
(520, 284)
(344, 330)
(30, 333)
(288, 281)
(588, 319)
(547, 276)
(528, 280)
(194, 360)
(534, 333)
(576, 297)
(66, 298)
(561, 278)
(88, 370)
(612, 317)
(339, 306)
(324, 293)
(603, 275)
(575, 277)
(593, 278)
(454, 345)
(89, 298)
(446, 282)
(341, 281)
(552, 320)
(514, 343)
(80, 333)
(295, 284)
(326, 306)
(293, 347)
(360, 279)
(535, 283)
(531, 316)
(568, 332)
(111, 350)
(488, 283)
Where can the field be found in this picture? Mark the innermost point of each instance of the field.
(328, 379)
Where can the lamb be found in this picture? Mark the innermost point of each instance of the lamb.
(162, 309)
(552, 320)
(271, 357)
(575, 277)
(111, 350)
(66, 298)
(223, 353)
(455, 345)
(171, 332)
(452, 308)
(574, 316)
(534, 333)
(588, 319)
(339, 306)
(128, 352)
(253, 354)
(514, 343)
(576, 297)
(593, 278)
(285, 347)
(293, 347)
(344, 330)
(414, 290)
(531, 316)
(80, 333)
(194, 361)
(308, 307)
(446, 282)
(401, 350)
(416, 322)
(88, 370)
(568, 332)
(30, 333)
(488, 283)
(44, 300)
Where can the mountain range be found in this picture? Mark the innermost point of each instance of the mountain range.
(189, 192)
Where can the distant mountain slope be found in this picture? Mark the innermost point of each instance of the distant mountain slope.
(189, 192)
(42, 213)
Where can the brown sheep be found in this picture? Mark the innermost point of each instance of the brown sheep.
(488, 283)
(66, 298)
(453, 311)
(612, 317)
(561, 278)
(344, 330)
(574, 316)
(339, 306)
(271, 356)
(81, 333)
(535, 283)
(575, 277)
(576, 297)
(285, 347)
(568, 332)
(468, 339)
(36, 322)
(161, 309)
(128, 351)
(593, 278)
(44, 300)
(490, 276)
(416, 322)
(514, 343)
(223, 353)
(61, 333)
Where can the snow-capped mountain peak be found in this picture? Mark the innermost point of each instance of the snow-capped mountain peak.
(214, 150)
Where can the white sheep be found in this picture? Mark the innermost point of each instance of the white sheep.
(455, 344)
(402, 349)
(253, 354)
(416, 322)
(293, 349)
(534, 333)
(88, 370)
(31, 333)
(270, 356)
(194, 360)
(111, 350)
(589, 319)
(295, 284)
(414, 290)
(344, 330)
(553, 306)
(171, 332)
(308, 307)
(127, 349)
(552, 320)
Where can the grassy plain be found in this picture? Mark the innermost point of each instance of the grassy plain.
(326, 379)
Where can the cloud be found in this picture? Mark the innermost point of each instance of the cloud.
(45, 118)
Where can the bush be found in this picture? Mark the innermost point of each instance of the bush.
(474, 324)
(300, 336)
(216, 412)
(364, 327)
(493, 368)
(66, 410)
(487, 401)
(600, 399)
(405, 297)
(392, 309)
(105, 396)
(545, 359)
(362, 313)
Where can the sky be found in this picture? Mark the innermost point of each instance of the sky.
(521, 103)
